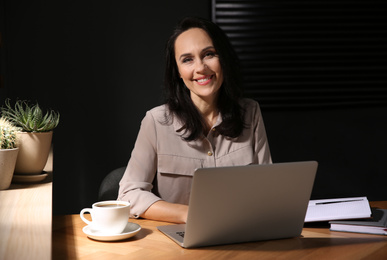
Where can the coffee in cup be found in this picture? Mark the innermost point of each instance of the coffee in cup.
(110, 217)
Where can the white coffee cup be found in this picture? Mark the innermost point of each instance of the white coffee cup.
(110, 217)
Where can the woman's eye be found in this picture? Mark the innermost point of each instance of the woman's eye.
(210, 54)
(185, 60)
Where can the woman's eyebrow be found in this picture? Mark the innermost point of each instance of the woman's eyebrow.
(207, 48)
(189, 54)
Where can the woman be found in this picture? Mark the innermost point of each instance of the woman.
(204, 123)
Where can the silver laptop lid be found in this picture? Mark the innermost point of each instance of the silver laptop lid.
(248, 203)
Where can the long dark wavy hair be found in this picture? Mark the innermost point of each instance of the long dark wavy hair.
(177, 94)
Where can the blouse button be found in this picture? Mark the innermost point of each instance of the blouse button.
(209, 153)
(213, 129)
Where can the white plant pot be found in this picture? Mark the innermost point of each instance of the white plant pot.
(34, 149)
(7, 166)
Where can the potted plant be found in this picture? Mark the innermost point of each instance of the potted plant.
(36, 134)
(8, 152)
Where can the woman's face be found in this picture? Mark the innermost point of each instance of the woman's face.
(198, 64)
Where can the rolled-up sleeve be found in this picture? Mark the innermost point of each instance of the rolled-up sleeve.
(136, 184)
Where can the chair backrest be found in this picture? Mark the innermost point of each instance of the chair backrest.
(108, 189)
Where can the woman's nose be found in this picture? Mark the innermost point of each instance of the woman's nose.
(201, 67)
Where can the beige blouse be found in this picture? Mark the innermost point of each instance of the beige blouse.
(162, 163)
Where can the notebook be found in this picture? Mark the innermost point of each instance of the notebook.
(245, 203)
(338, 209)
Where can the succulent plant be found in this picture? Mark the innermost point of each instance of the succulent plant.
(30, 117)
(8, 138)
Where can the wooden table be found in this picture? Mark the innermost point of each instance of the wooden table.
(26, 219)
(69, 242)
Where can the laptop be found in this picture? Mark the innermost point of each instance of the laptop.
(245, 203)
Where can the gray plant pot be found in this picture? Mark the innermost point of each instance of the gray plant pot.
(34, 151)
(7, 166)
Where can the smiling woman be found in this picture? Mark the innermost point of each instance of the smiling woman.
(204, 123)
(214, 46)
(199, 68)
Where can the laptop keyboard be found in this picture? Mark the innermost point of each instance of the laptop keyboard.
(181, 233)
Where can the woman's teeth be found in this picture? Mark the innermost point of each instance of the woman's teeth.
(204, 80)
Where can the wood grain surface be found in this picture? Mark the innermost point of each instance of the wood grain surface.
(26, 219)
(316, 242)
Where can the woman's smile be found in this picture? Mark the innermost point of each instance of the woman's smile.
(204, 80)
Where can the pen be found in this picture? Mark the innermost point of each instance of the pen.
(338, 201)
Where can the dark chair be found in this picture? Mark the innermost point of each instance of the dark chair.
(110, 185)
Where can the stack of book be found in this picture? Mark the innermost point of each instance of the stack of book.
(376, 225)
(348, 215)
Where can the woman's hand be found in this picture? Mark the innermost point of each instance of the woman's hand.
(166, 211)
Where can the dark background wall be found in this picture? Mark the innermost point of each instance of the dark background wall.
(101, 65)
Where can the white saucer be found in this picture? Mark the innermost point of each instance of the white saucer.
(130, 230)
(28, 178)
